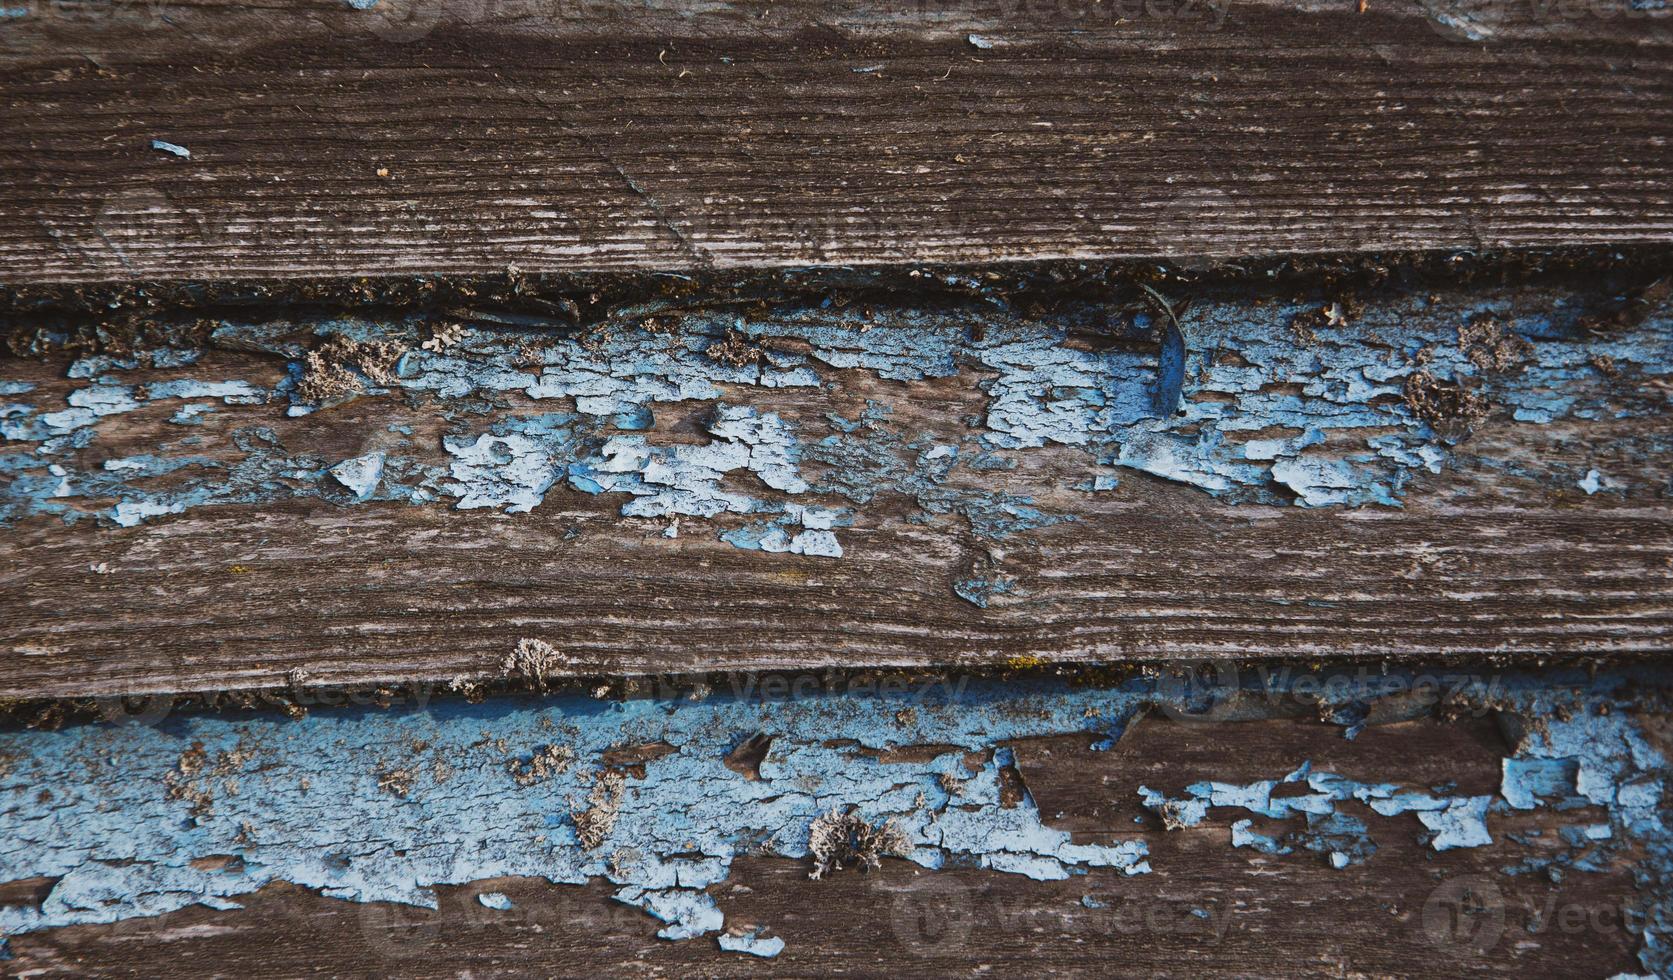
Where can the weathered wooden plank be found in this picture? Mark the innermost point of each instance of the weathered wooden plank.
(303, 843)
(969, 920)
(240, 599)
(465, 137)
(888, 479)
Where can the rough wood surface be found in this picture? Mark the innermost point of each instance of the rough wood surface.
(890, 482)
(238, 599)
(1224, 911)
(1285, 922)
(447, 137)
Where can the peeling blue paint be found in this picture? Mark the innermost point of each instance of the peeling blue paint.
(1234, 404)
(686, 479)
(372, 806)
(309, 802)
(191, 414)
(752, 944)
(360, 475)
(1452, 821)
(782, 534)
(981, 590)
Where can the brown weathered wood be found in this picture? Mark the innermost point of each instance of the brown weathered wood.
(1295, 922)
(469, 137)
(1267, 915)
(1502, 553)
(607, 136)
(238, 597)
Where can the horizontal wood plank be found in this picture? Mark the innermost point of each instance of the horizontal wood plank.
(1226, 910)
(238, 600)
(452, 137)
(884, 482)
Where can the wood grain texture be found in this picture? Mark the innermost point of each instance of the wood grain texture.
(1527, 540)
(451, 137)
(238, 597)
(1221, 911)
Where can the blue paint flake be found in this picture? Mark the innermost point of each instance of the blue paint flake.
(360, 474)
(753, 944)
(981, 590)
(513, 471)
(130, 513)
(782, 534)
(191, 414)
(174, 148)
(684, 479)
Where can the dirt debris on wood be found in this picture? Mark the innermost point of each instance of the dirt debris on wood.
(846, 839)
(604, 800)
(533, 659)
(546, 762)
